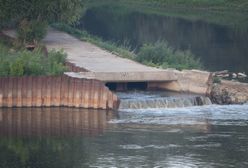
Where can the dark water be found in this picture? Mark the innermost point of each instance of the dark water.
(219, 47)
(206, 136)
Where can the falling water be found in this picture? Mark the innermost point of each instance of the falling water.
(142, 100)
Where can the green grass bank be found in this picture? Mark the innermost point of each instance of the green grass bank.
(223, 12)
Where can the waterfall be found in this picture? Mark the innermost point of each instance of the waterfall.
(152, 101)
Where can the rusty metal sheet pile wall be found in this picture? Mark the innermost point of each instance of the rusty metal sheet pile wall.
(55, 92)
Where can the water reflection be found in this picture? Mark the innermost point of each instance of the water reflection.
(45, 122)
(206, 136)
(219, 47)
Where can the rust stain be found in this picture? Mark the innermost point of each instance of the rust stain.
(55, 92)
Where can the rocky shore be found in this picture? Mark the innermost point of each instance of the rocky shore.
(229, 92)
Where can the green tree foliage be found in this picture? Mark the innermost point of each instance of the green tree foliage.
(31, 32)
(32, 16)
(41, 10)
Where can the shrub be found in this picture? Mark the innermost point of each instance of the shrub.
(216, 80)
(4, 64)
(33, 62)
(154, 53)
(161, 55)
(16, 68)
(4, 68)
(31, 31)
(55, 64)
(27, 63)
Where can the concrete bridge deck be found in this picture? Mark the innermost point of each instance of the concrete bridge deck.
(111, 69)
(101, 64)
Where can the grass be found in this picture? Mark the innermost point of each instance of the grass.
(238, 5)
(27, 63)
(223, 12)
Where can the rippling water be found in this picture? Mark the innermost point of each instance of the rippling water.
(212, 114)
(202, 136)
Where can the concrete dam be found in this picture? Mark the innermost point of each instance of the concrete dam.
(94, 74)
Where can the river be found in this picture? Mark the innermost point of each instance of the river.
(219, 46)
(197, 136)
(184, 131)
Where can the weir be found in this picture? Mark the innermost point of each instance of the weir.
(159, 99)
(88, 62)
(169, 102)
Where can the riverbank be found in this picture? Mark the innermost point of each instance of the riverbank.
(229, 13)
(186, 81)
(229, 92)
(34, 79)
(199, 4)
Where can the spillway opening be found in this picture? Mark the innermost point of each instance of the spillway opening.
(137, 86)
(113, 86)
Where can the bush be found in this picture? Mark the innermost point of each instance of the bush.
(216, 80)
(31, 31)
(161, 55)
(4, 63)
(4, 68)
(155, 54)
(55, 64)
(27, 63)
(16, 68)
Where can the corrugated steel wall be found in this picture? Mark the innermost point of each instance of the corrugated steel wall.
(55, 91)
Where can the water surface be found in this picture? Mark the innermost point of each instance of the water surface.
(202, 136)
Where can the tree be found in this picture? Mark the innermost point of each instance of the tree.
(43, 11)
